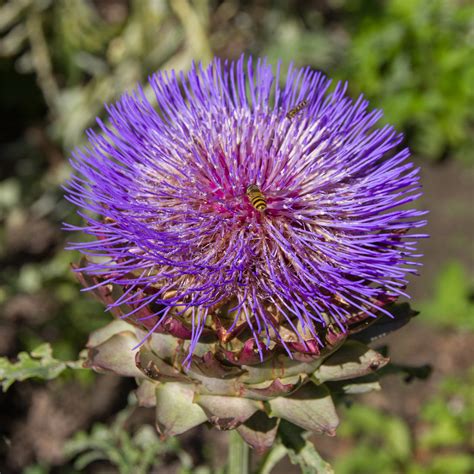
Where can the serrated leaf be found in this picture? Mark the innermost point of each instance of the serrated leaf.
(114, 443)
(40, 363)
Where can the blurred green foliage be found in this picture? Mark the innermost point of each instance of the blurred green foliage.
(383, 443)
(139, 452)
(452, 302)
(413, 58)
(82, 59)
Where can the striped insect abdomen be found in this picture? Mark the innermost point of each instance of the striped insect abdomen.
(295, 110)
(256, 198)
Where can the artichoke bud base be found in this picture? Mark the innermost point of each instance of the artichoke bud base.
(234, 389)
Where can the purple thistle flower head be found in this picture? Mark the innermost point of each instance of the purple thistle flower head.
(287, 201)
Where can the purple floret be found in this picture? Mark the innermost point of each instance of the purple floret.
(164, 187)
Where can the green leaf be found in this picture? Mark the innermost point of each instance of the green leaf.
(140, 452)
(40, 363)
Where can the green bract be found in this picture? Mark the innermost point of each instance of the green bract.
(252, 396)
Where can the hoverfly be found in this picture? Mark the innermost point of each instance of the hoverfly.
(295, 110)
(256, 197)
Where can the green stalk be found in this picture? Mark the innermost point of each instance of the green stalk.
(238, 456)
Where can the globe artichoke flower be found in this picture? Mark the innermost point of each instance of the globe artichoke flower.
(247, 232)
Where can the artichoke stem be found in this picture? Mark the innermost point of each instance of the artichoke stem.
(238, 455)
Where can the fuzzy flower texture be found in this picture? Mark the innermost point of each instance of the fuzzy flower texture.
(285, 204)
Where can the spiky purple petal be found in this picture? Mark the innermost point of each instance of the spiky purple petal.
(176, 229)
